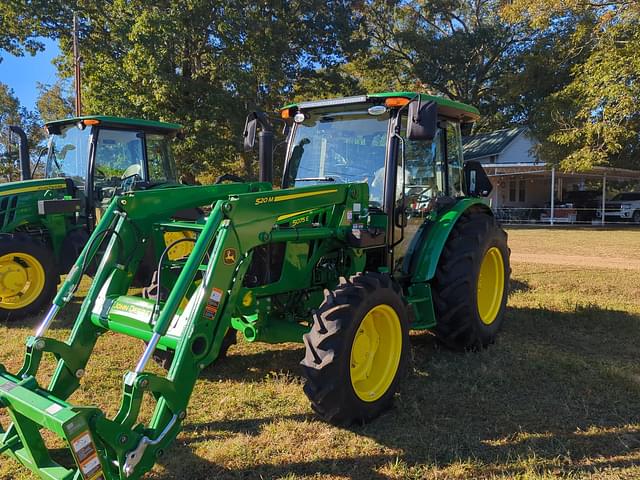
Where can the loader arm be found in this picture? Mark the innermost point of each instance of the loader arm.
(192, 321)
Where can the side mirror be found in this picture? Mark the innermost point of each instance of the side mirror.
(422, 120)
(250, 128)
(476, 181)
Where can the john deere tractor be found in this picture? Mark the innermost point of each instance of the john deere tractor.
(45, 223)
(379, 228)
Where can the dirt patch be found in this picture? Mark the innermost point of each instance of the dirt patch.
(577, 260)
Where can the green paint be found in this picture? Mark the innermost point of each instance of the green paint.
(260, 264)
(19, 211)
(438, 231)
(119, 122)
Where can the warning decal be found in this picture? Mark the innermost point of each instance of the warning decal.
(211, 308)
(86, 457)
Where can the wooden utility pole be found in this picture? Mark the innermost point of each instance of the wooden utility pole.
(76, 61)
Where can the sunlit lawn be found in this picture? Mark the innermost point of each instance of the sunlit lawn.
(557, 395)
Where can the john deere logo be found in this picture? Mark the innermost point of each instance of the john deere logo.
(230, 256)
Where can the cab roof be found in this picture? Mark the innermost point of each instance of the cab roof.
(446, 107)
(120, 122)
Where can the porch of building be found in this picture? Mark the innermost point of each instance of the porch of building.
(522, 193)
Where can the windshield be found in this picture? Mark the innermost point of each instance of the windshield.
(67, 156)
(342, 147)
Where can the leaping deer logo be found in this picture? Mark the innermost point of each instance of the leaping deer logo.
(229, 256)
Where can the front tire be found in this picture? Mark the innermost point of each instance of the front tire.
(357, 350)
(471, 284)
(28, 277)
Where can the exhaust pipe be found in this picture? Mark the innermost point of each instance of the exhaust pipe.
(25, 162)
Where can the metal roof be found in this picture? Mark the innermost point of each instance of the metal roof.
(119, 121)
(492, 143)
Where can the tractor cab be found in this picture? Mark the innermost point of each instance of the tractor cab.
(407, 147)
(100, 157)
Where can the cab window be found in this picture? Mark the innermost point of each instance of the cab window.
(160, 158)
(67, 155)
(119, 155)
(119, 161)
(454, 159)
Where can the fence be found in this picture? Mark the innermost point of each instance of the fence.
(567, 216)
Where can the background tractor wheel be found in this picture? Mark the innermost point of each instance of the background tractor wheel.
(472, 283)
(28, 278)
(357, 350)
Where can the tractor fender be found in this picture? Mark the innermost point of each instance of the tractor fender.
(433, 235)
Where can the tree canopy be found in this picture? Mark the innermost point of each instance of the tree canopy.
(566, 68)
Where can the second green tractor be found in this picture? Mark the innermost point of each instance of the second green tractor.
(379, 228)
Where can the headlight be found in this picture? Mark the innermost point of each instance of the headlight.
(625, 206)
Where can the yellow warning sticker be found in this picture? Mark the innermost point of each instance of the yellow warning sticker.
(86, 457)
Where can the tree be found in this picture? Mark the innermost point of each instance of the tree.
(593, 119)
(11, 113)
(54, 101)
(206, 65)
(459, 49)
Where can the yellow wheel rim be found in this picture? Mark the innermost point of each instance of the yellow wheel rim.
(490, 285)
(375, 353)
(22, 279)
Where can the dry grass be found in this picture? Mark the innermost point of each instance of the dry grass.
(558, 395)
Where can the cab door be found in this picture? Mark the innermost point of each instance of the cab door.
(118, 161)
(433, 169)
(418, 183)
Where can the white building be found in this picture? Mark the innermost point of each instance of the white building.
(522, 184)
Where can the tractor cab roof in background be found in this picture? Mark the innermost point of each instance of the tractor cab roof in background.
(107, 121)
(446, 107)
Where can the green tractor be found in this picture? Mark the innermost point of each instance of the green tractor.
(45, 223)
(379, 228)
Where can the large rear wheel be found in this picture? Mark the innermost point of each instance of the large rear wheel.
(28, 278)
(472, 282)
(357, 350)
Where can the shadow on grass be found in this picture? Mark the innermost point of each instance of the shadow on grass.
(562, 388)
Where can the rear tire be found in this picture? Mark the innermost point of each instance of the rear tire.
(357, 350)
(471, 284)
(28, 277)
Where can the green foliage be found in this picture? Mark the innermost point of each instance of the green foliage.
(55, 101)
(11, 113)
(206, 65)
(593, 118)
(459, 49)
(566, 68)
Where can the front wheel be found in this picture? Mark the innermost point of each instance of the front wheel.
(357, 350)
(636, 217)
(472, 283)
(28, 278)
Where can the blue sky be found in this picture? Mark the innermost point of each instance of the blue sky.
(22, 73)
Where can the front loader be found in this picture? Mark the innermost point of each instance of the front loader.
(378, 229)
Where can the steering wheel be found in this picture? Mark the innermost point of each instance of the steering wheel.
(229, 177)
(128, 177)
(131, 171)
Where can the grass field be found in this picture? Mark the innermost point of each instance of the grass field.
(558, 395)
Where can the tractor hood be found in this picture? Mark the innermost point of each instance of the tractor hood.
(19, 201)
(33, 186)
